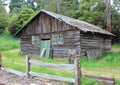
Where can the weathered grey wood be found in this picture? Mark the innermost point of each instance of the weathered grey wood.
(51, 53)
(100, 77)
(18, 73)
(0, 61)
(106, 80)
(95, 45)
(77, 72)
(53, 77)
(27, 66)
(69, 56)
(63, 66)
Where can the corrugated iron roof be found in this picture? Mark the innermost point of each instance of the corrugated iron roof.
(81, 25)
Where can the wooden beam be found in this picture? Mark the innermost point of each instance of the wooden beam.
(0, 61)
(47, 76)
(50, 65)
(18, 73)
(99, 77)
(27, 66)
(77, 72)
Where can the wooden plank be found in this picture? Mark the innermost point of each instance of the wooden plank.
(52, 77)
(50, 65)
(77, 72)
(99, 77)
(0, 61)
(18, 73)
(27, 66)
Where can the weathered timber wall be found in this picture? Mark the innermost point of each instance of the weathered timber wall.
(71, 41)
(45, 24)
(27, 47)
(90, 42)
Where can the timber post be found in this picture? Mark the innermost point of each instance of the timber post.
(51, 53)
(0, 61)
(77, 71)
(27, 66)
(69, 56)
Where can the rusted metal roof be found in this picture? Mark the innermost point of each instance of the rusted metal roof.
(81, 25)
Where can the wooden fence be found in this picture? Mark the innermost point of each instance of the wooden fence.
(0, 61)
(76, 67)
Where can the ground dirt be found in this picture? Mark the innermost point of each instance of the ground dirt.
(11, 79)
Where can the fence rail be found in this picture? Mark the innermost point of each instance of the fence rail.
(75, 67)
(0, 61)
(50, 65)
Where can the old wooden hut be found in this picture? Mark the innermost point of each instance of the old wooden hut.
(48, 30)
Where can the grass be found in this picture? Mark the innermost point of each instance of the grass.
(116, 46)
(110, 60)
(12, 59)
(117, 82)
(8, 43)
(17, 62)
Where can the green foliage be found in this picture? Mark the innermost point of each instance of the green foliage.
(69, 7)
(115, 25)
(49, 5)
(3, 18)
(116, 4)
(117, 82)
(24, 16)
(109, 60)
(89, 81)
(92, 11)
(17, 5)
(17, 62)
(7, 42)
(18, 21)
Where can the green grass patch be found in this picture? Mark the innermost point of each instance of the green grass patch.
(17, 62)
(8, 42)
(89, 81)
(116, 46)
(12, 59)
(117, 82)
(111, 60)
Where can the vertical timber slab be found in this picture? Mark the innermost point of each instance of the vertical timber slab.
(0, 61)
(77, 71)
(27, 66)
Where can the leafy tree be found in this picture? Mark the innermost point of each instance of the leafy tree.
(93, 11)
(68, 7)
(17, 21)
(12, 22)
(49, 5)
(17, 5)
(116, 4)
(24, 16)
(115, 24)
(3, 18)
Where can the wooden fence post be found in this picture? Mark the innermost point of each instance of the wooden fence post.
(51, 53)
(27, 66)
(0, 61)
(77, 71)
